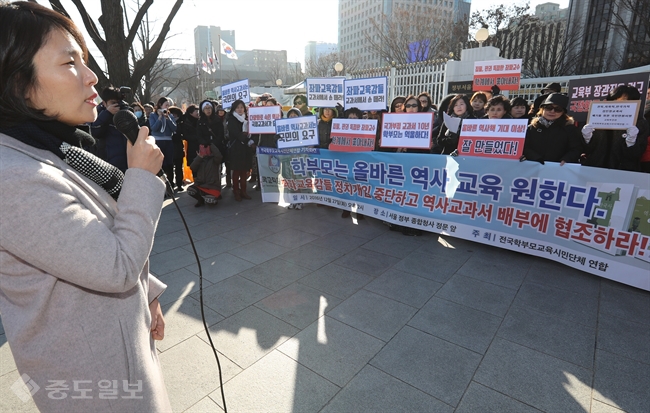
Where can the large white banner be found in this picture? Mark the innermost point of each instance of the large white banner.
(593, 219)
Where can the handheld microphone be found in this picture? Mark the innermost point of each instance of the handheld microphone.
(126, 122)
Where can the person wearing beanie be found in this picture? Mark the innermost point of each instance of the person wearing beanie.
(551, 135)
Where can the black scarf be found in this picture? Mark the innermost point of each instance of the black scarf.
(67, 143)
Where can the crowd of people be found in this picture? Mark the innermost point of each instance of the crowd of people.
(552, 135)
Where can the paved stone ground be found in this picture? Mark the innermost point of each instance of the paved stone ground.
(314, 313)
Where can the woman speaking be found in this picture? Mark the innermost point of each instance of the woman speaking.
(78, 304)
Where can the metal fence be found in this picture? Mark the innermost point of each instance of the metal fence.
(411, 79)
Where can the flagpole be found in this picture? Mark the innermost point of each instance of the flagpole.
(220, 65)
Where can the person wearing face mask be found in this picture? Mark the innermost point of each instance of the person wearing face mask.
(551, 135)
(139, 112)
(447, 141)
(617, 149)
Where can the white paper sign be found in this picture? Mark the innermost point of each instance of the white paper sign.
(295, 132)
(324, 92)
(451, 123)
(366, 94)
(234, 91)
(261, 119)
(613, 114)
(406, 130)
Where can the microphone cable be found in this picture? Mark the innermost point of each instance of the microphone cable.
(170, 191)
(126, 122)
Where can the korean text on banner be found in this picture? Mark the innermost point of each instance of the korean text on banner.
(506, 74)
(261, 119)
(296, 132)
(353, 135)
(324, 92)
(406, 130)
(595, 89)
(613, 114)
(366, 94)
(591, 219)
(235, 91)
(493, 138)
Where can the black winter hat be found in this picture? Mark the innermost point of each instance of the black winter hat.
(557, 99)
(553, 87)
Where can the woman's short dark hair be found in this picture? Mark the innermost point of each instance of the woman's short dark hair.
(631, 92)
(464, 98)
(499, 100)
(26, 27)
(356, 111)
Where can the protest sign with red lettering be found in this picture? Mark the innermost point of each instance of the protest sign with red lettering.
(406, 130)
(506, 74)
(261, 119)
(493, 138)
(353, 135)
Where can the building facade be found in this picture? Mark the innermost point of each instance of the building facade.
(615, 33)
(207, 37)
(355, 22)
(313, 50)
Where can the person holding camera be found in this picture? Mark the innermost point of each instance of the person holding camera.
(110, 143)
(163, 126)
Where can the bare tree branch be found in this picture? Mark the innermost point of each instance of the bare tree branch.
(138, 20)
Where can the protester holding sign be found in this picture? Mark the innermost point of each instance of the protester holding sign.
(552, 136)
(447, 140)
(239, 148)
(617, 149)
